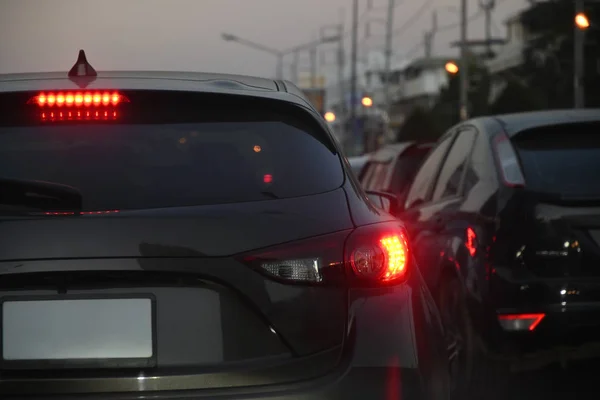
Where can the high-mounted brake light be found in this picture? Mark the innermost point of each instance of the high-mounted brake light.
(78, 99)
(508, 162)
(520, 322)
(375, 254)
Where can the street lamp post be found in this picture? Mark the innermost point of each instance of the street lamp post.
(279, 54)
(265, 49)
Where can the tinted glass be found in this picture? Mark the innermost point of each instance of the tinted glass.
(421, 188)
(377, 178)
(563, 160)
(448, 183)
(407, 166)
(137, 166)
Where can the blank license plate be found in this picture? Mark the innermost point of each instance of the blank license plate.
(38, 330)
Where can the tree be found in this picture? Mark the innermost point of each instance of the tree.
(516, 97)
(548, 67)
(446, 110)
(419, 126)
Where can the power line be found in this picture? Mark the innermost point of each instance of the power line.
(413, 18)
(455, 25)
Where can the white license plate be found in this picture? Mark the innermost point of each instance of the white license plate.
(81, 329)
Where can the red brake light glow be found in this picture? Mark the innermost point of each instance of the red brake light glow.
(78, 105)
(78, 99)
(375, 254)
(378, 255)
(520, 322)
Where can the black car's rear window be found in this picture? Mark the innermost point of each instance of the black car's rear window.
(564, 160)
(211, 159)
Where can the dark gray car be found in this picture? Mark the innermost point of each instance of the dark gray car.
(198, 235)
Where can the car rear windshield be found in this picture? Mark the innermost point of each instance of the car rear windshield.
(563, 160)
(189, 157)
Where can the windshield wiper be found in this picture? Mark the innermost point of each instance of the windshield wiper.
(39, 195)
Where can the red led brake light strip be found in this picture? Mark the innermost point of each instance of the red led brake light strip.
(78, 99)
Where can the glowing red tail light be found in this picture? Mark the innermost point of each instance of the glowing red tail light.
(78, 99)
(520, 322)
(378, 253)
(375, 254)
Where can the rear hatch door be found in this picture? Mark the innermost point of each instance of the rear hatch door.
(205, 247)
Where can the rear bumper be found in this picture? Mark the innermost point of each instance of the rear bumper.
(569, 330)
(393, 350)
(354, 383)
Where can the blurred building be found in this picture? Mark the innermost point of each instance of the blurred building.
(416, 83)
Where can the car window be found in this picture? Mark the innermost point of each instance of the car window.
(374, 176)
(421, 188)
(481, 165)
(120, 165)
(562, 159)
(378, 179)
(367, 173)
(405, 169)
(448, 183)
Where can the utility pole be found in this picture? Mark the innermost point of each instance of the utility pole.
(280, 66)
(295, 62)
(388, 54)
(464, 63)
(579, 59)
(488, 6)
(340, 68)
(353, 75)
(429, 36)
(313, 67)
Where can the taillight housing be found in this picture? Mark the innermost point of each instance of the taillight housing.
(371, 255)
(508, 162)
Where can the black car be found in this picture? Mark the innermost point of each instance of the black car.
(197, 235)
(392, 168)
(504, 220)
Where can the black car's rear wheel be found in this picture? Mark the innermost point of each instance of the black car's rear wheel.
(458, 336)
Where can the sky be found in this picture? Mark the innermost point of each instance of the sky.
(185, 35)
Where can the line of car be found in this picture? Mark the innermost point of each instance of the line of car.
(174, 235)
(503, 217)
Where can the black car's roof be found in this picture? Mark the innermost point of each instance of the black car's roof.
(513, 124)
(157, 80)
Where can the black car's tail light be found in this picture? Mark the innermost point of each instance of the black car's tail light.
(373, 254)
(508, 162)
(520, 322)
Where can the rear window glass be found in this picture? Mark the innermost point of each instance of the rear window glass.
(563, 160)
(155, 165)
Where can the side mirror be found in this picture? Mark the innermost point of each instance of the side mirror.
(386, 201)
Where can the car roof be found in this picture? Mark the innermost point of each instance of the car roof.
(514, 124)
(158, 80)
(388, 152)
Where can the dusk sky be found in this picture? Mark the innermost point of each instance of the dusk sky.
(45, 35)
